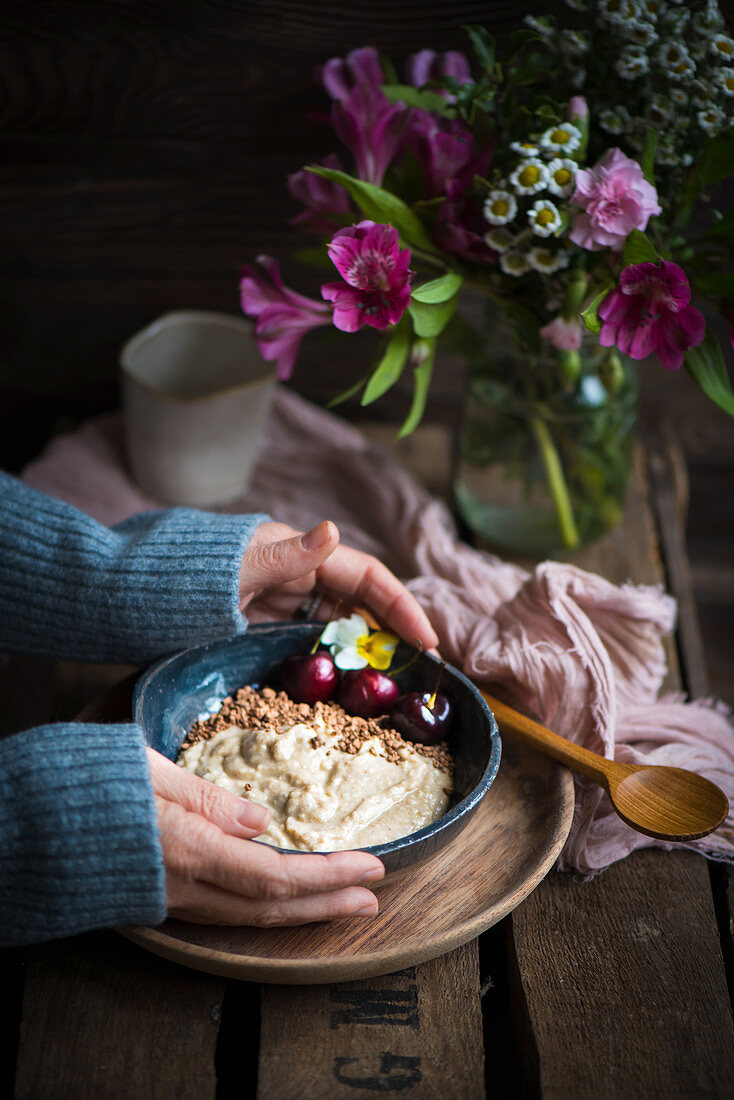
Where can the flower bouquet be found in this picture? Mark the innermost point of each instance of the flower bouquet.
(563, 194)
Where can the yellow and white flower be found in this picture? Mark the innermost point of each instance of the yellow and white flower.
(544, 217)
(562, 176)
(500, 207)
(658, 111)
(529, 177)
(525, 148)
(563, 138)
(711, 119)
(574, 44)
(513, 262)
(615, 120)
(725, 80)
(722, 47)
(703, 94)
(617, 12)
(542, 259)
(499, 239)
(651, 9)
(677, 95)
(676, 60)
(632, 62)
(354, 645)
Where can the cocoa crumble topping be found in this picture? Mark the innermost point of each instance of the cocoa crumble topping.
(255, 709)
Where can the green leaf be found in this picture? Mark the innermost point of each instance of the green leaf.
(647, 160)
(431, 320)
(590, 316)
(381, 206)
(342, 397)
(706, 366)
(639, 249)
(416, 97)
(424, 351)
(390, 367)
(716, 163)
(438, 290)
(483, 44)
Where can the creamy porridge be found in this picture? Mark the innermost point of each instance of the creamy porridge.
(330, 781)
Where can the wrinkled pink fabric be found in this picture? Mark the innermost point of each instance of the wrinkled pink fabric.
(585, 655)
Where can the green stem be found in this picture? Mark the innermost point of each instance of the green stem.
(556, 482)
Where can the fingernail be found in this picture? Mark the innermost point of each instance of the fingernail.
(366, 911)
(372, 875)
(316, 537)
(254, 817)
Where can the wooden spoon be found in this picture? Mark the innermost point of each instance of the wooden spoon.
(667, 803)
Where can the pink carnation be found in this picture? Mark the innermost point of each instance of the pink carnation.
(615, 198)
(650, 314)
(376, 287)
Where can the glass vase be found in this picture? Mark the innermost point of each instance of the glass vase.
(545, 444)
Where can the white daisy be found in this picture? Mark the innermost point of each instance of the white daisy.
(513, 262)
(574, 44)
(500, 207)
(650, 9)
(702, 93)
(722, 47)
(540, 24)
(678, 96)
(675, 22)
(632, 62)
(676, 60)
(525, 148)
(577, 78)
(529, 177)
(544, 217)
(563, 138)
(617, 12)
(562, 173)
(615, 120)
(686, 159)
(542, 259)
(641, 34)
(711, 119)
(577, 5)
(658, 110)
(725, 80)
(708, 21)
(499, 239)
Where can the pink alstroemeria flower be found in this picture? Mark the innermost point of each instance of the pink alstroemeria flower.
(283, 317)
(376, 290)
(650, 314)
(340, 75)
(460, 226)
(321, 197)
(445, 150)
(372, 128)
(562, 334)
(615, 198)
(427, 65)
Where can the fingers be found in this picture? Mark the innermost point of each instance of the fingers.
(233, 815)
(282, 561)
(212, 876)
(359, 577)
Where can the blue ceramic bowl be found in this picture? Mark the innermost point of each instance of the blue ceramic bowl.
(177, 691)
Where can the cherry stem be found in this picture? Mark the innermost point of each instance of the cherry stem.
(432, 701)
(334, 610)
(413, 659)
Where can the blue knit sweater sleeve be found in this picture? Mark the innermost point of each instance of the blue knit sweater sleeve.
(79, 844)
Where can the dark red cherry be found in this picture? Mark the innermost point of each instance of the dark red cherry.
(423, 717)
(367, 692)
(309, 677)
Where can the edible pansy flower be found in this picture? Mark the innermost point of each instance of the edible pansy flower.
(500, 207)
(563, 138)
(353, 645)
(376, 287)
(529, 177)
(544, 217)
(613, 198)
(282, 316)
(561, 176)
(372, 128)
(650, 314)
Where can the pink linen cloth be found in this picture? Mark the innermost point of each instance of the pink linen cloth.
(583, 654)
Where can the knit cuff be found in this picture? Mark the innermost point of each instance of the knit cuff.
(79, 845)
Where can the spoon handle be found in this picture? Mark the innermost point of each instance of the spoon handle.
(579, 759)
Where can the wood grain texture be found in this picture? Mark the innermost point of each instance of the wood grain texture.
(619, 982)
(476, 880)
(102, 1019)
(418, 1031)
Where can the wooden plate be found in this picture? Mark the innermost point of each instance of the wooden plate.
(509, 846)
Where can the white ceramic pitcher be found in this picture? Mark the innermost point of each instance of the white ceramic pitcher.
(196, 397)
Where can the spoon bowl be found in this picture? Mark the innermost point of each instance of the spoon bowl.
(663, 802)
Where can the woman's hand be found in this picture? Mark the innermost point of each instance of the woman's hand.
(282, 566)
(215, 875)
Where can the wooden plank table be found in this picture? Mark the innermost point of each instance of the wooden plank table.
(609, 988)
